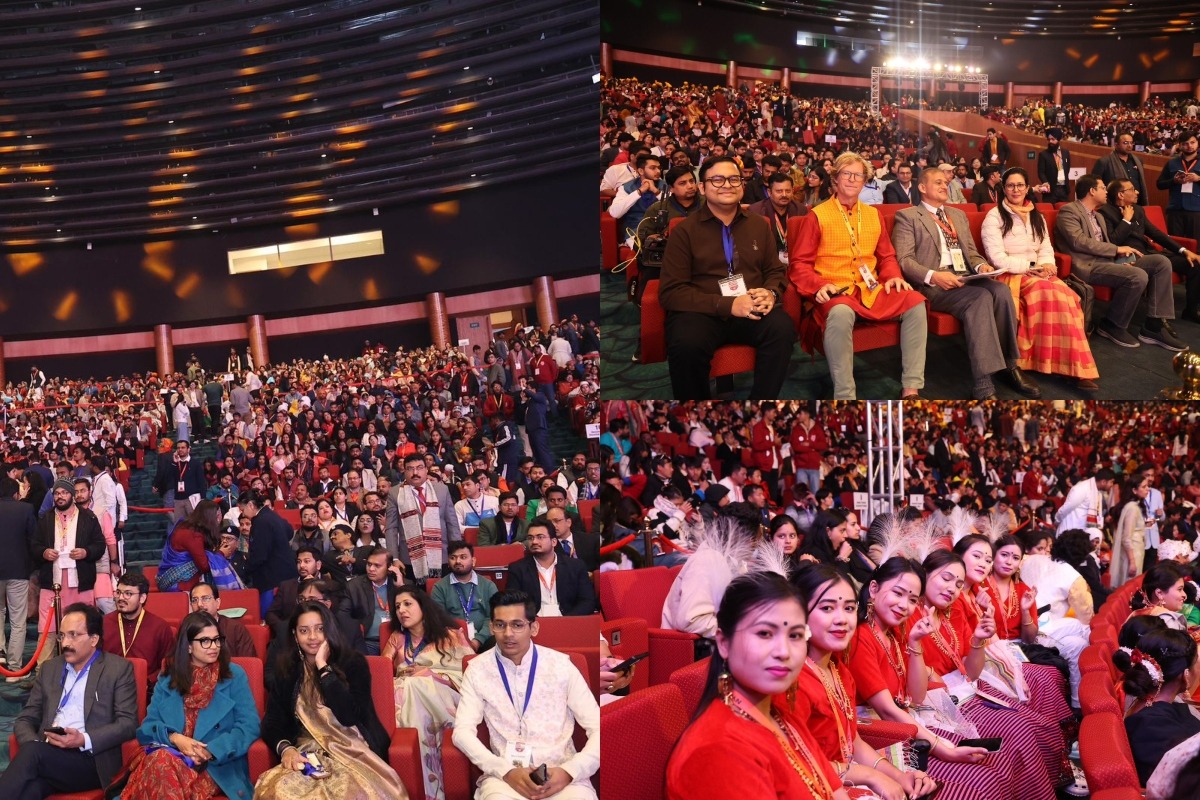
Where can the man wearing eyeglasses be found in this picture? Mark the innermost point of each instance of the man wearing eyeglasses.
(92, 698)
(207, 598)
(561, 585)
(845, 262)
(133, 632)
(722, 282)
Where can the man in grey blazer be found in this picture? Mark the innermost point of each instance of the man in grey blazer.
(96, 716)
(1082, 234)
(936, 251)
(416, 490)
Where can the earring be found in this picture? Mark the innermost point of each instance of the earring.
(725, 687)
(870, 609)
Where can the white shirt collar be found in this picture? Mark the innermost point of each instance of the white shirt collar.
(473, 579)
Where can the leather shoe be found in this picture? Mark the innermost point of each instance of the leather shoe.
(1087, 385)
(1022, 384)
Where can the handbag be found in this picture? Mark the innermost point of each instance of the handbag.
(1087, 300)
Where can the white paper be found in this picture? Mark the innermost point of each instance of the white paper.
(593, 430)
(917, 501)
(1077, 172)
(992, 274)
(829, 137)
(64, 560)
(860, 501)
(1186, 188)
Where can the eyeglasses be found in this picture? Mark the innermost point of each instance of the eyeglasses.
(1014, 185)
(209, 642)
(733, 181)
(853, 177)
(516, 626)
(70, 636)
(126, 594)
(539, 537)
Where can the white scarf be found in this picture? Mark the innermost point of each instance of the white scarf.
(422, 532)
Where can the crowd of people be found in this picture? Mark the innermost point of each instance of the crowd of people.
(1155, 125)
(735, 176)
(962, 611)
(387, 460)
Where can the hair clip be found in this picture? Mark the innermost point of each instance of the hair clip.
(1151, 666)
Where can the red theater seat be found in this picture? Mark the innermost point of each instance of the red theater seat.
(171, 606)
(641, 594)
(1106, 757)
(627, 638)
(639, 733)
(243, 598)
(560, 632)
(404, 753)
(1096, 696)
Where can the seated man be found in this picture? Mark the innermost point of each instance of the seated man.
(506, 527)
(1082, 234)
(526, 682)
(852, 272)
(902, 189)
(636, 196)
(987, 190)
(936, 250)
(955, 193)
(92, 696)
(237, 641)
(1127, 224)
(467, 595)
(560, 586)
(133, 632)
(721, 284)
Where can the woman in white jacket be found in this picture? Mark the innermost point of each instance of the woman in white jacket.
(1051, 334)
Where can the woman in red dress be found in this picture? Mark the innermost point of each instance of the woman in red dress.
(1047, 686)
(954, 656)
(885, 661)
(824, 700)
(741, 744)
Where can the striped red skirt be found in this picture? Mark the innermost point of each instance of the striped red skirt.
(1035, 743)
(1050, 332)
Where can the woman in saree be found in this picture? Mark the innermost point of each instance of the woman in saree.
(427, 648)
(320, 714)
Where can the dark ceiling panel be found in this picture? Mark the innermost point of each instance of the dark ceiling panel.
(125, 121)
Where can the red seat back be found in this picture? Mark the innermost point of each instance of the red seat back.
(586, 509)
(639, 733)
(638, 593)
(975, 218)
(560, 632)
(243, 598)
(1092, 660)
(254, 676)
(261, 636)
(172, 607)
(691, 680)
(1105, 754)
(141, 674)
(151, 574)
(1095, 696)
(383, 692)
(627, 638)
(493, 561)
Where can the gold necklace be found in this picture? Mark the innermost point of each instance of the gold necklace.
(794, 748)
(892, 643)
(950, 648)
(835, 693)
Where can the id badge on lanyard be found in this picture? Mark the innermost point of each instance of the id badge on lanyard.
(958, 261)
(735, 284)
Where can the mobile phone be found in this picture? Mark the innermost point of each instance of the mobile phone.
(540, 775)
(842, 290)
(628, 663)
(992, 745)
(56, 730)
(1043, 609)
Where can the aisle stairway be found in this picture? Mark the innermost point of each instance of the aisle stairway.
(145, 532)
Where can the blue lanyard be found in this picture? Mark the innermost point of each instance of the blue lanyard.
(727, 241)
(468, 603)
(82, 677)
(528, 688)
(415, 653)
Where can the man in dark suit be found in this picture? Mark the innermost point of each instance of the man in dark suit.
(1127, 224)
(271, 560)
(664, 470)
(1123, 163)
(987, 190)
(936, 252)
(18, 537)
(96, 717)
(506, 527)
(942, 459)
(185, 476)
(994, 150)
(573, 543)
(561, 584)
(903, 189)
(287, 594)
(1054, 169)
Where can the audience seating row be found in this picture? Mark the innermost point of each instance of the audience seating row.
(641, 594)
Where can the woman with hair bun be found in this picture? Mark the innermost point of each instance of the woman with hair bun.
(1162, 595)
(1162, 667)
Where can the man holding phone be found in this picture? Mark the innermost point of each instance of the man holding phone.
(1181, 177)
(70, 742)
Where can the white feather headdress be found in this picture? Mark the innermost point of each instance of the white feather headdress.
(961, 523)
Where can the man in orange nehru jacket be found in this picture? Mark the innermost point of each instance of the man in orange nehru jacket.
(843, 260)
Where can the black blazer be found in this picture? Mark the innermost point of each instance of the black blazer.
(1138, 233)
(349, 699)
(1048, 173)
(88, 535)
(576, 597)
(588, 547)
(109, 707)
(18, 539)
(894, 193)
(271, 560)
(168, 476)
(286, 596)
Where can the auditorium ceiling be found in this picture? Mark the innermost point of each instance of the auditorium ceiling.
(998, 18)
(127, 120)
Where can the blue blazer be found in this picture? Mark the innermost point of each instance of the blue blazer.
(227, 727)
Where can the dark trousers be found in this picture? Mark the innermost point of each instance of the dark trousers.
(1184, 223)
(692, 338)
(214, 424)
(1150, 559)
(41, 769)
(1191, 279)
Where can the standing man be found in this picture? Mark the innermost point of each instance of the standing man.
(214, 393)
(721, 284)
(994, 150)
(936, 251)
(270, 561)
(70, 543)
(92, 697)
(1085, 504)
(1154, 517)
(1054, 169)
(537, 426)
(526, 682)
(420, 521)
(1122, 164)
(18, 538)
(184, 476)
(1127, 224)
(765, 444)
(1180, 176)
(466, 595)
(1082, 234)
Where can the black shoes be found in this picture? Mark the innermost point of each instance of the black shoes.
(1022, 384)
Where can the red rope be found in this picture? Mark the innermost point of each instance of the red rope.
(617, 545)
(25, 670)
(147, 510)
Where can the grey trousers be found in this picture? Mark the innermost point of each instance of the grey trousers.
(1150, 274)
(989, 319)
(839, 349)
(16, 599)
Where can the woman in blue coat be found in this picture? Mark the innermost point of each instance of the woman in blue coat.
(203, 711)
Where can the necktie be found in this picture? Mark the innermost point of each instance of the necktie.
(567, 548)
(1096, 233)
(941, 215)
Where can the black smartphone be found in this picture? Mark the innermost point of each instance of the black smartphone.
(56, 730)
(842, 290)
(628, 663)
(992, 745)
(1043, 610)
(540, 775)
